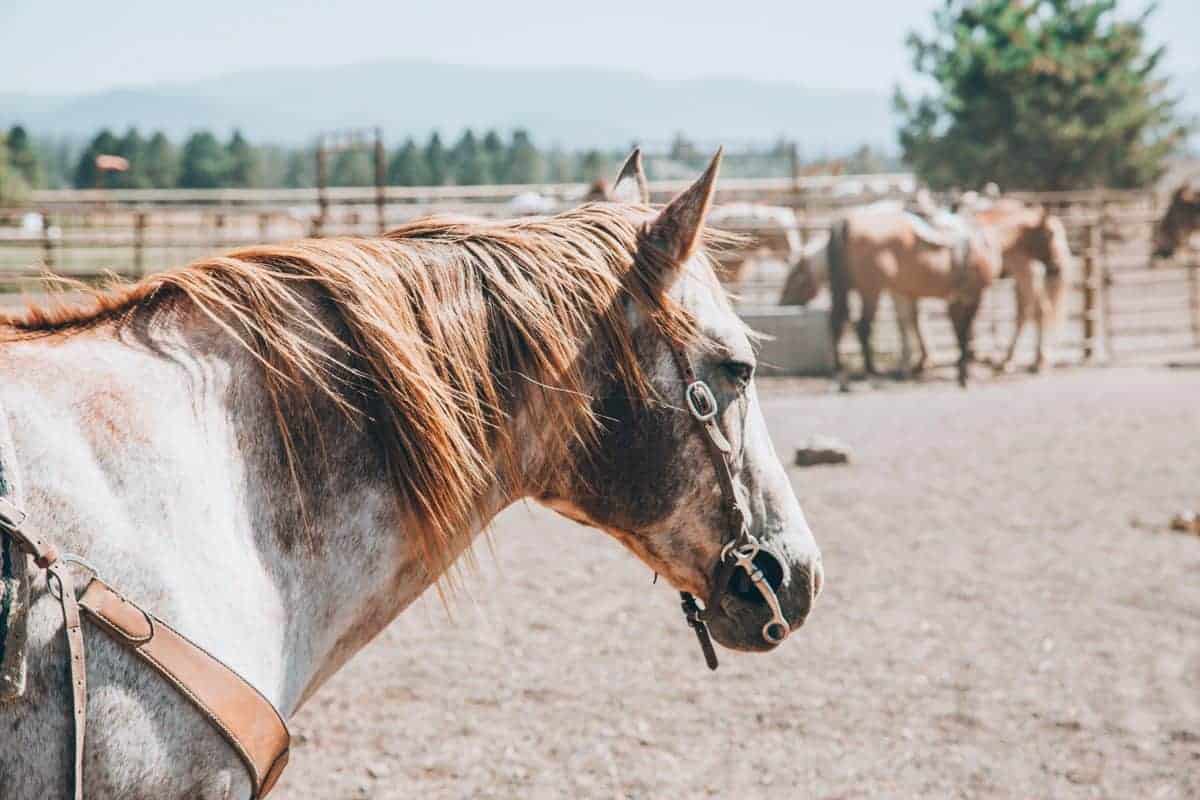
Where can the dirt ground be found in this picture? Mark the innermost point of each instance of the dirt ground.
(1006, 615)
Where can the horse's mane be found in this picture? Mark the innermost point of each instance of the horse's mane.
(435, 335)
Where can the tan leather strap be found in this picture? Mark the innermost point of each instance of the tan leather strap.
(62, 586)
(247, 720)
(65, 588)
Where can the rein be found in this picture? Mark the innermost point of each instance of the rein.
(742, 546)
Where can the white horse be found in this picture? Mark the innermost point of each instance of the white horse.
(278, 450)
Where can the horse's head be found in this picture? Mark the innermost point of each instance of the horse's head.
(1045, 240)
(1182, 217)
(653, 477)
(808, 271)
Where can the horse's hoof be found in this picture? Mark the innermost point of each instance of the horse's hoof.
(1035, 368)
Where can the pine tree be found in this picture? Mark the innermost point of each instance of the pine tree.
(1042, 94)
(469, 165)
(524, 160)
(204, 164)
(244, 168)
(407, 167)
(160, 162)
(23, 158)
(6, 188)
(435, 160)
(592, 167)
(87, 176)
(496, 155)
(299, 172)
(131, 147)
(352, 168)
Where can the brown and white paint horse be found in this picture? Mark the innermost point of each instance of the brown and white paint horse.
(277, 450)
(881, 249)
(1180, 221)
(1037, 256)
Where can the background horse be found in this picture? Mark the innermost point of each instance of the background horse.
(1037, 256)
(874, 250)
(1180, 221)
(277, 450)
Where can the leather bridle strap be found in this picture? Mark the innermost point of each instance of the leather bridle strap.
(46, 556)
(740, 549)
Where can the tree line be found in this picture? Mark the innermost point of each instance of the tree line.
(204, 160)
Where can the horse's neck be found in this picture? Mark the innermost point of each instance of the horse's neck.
(346, 563)
(317, 558)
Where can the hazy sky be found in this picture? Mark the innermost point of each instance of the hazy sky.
(69, 46)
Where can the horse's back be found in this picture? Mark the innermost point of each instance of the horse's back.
(884, 253)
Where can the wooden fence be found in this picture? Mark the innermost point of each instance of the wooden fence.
(1120, 304)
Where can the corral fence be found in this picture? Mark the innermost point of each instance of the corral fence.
(1121, 303)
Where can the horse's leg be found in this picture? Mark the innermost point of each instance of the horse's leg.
(1039, 319)
(839, 314)
(1022, 290)
(905, 314)
(921, 343)
(870, 304)
(962, 314)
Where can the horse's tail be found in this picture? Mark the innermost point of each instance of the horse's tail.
(1056, 292)
(835, 256)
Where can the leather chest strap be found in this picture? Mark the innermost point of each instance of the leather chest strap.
(244, 717)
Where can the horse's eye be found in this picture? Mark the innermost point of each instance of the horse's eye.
(739, 371)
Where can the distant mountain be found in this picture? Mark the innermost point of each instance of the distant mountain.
(573, 106)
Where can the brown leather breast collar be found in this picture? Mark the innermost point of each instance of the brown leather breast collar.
(246, 719)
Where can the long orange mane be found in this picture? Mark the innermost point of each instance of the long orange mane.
(434, 335)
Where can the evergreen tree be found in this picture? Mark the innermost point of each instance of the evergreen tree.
(435, 160)
(244, 167)
(560, 167)
(592, 167)
(160, 162)
(470, 166)
(87, 176)
(204, 163)
(1042, 94)
(524, 161)
(407, 167)
(352, 168)
(23, 159)
(300, 172)
(6, 189)
(131, 147)
(496, 156)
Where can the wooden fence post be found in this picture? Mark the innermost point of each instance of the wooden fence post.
(139, 244)
(380, 183)
(1089, 293)
(1194, 301)
(47, 242)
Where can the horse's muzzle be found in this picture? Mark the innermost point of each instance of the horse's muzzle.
(742, 619)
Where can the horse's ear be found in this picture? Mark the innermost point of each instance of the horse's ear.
(676, 231)
(631, 185)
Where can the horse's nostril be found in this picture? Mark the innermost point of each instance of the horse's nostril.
(743, 587)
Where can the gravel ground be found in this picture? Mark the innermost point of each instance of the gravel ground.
(1006, 616)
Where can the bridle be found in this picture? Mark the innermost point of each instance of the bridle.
(740, 550)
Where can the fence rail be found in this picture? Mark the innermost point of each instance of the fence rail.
(1120, 303)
